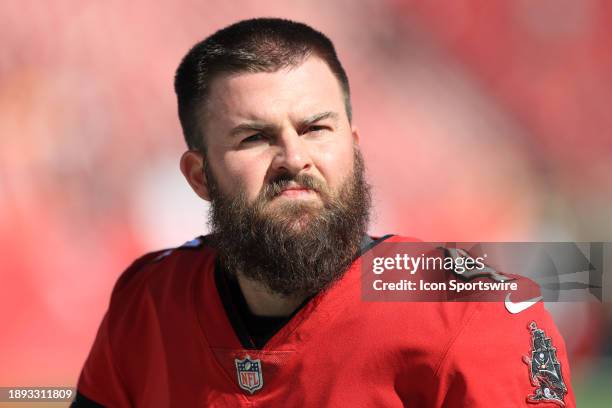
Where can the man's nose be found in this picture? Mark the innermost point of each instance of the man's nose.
(292, 156)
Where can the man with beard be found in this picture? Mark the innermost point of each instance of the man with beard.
(266, 310)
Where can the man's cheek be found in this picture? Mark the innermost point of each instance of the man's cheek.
(239, 186)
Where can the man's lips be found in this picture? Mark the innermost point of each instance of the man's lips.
(296, 192)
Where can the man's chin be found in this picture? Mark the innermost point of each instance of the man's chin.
(295, 217)
(293, 209)
(299, 225)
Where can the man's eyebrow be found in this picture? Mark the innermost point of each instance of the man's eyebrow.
(319, 116)
(255, 126)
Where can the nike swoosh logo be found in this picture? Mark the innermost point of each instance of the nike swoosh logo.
(518, 307)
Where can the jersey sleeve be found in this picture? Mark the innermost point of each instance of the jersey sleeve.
(506, 360)
(100, 381)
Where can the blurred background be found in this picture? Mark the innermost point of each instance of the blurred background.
(481, 121)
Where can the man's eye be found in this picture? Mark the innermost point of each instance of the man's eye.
(254, 138)
(315, 128)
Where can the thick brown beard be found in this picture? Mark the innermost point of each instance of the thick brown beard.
(272, 249)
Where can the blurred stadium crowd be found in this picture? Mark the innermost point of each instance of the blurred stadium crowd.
(480, 120)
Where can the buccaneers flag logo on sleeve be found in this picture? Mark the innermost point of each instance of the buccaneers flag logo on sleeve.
(545, 369)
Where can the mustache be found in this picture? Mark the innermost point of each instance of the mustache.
(280, 183)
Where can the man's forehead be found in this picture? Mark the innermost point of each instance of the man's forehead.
(301, 92)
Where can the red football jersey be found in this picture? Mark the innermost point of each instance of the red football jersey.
(168, 341)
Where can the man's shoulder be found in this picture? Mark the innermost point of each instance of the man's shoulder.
(446, 298)
(157, 287)
(162, 265)
(395, 238)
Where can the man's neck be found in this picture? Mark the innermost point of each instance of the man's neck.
(262, 302)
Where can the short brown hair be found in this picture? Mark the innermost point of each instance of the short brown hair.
(255, 45)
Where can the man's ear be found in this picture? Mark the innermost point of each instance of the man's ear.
(192, 167)
(356, 136)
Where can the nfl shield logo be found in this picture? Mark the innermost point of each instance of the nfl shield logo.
(249, 374)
